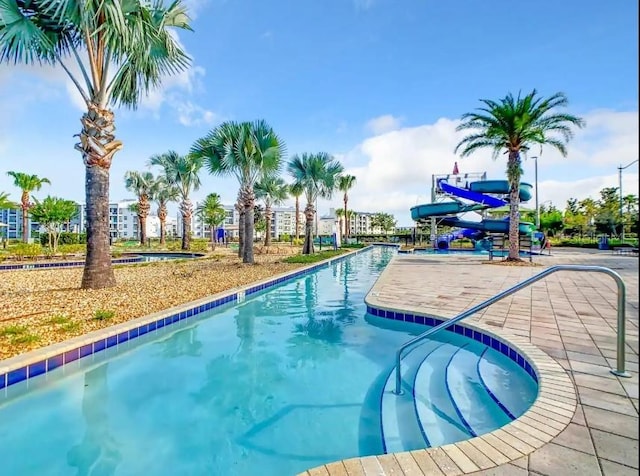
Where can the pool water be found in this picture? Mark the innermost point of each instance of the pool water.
(272, 386)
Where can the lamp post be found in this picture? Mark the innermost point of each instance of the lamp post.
(620, 169)
(535, 172)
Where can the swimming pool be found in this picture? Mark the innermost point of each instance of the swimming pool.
(288, 379)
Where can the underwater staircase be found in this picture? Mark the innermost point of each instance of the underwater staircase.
(450, 393)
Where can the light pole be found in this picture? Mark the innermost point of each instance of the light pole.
(620, 169)
(535, 172)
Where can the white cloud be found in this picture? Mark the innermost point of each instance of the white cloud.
(382, 124)
(394, 169)
(190, 114)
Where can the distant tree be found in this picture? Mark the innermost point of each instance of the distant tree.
(162, 192)
(248, 151)
(607, 218)
(295, 190)
(141, 184)
(181, 172)
(53, 213)
(317, 175)
(340, 216)
(213, 215)
(574, 220)
(346, 183)
(5, 202)
(513, 125)
(273, 191)
(383, 221)
(27, 184)
(551, 220)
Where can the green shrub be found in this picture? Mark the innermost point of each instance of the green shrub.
(286, 237)
(313, 258)
(26, 250)
(13, 330)
(200, 245)
(174, 245)
(25, 339)
(70, 327)
(59, 319)
(103, 314)
(298, 241)
(353, 245)
(65, 238)
(66, 250)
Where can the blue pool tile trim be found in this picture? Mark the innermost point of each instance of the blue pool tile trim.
(15, 376)
(486, 339)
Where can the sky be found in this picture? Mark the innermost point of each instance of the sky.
(380, 84)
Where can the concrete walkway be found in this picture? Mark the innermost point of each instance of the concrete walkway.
(570, 316)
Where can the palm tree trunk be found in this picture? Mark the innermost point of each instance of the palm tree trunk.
(297, 217)
(25, 215)
(187, 210)
(249, 202)
(309, 213)
(241, 218)
(162, 216)
(346, 227)
(98, 272)
(98, 146)
(143, 213)
(513, 173)
(267, 219)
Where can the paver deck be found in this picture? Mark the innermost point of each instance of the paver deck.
(569, 316)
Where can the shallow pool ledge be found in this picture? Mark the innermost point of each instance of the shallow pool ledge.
(547, 417)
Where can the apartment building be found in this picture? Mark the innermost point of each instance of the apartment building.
(283, 222)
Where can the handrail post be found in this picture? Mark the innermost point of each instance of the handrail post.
(620, 370)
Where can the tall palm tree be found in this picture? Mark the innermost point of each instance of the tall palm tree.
(162, 193)
(273, 191)
(141, 184)
(296, 190)
(181, 171)
(346, 183)
(246, 150)
(317, 174)
(27, 183)
(114, 52)
(513, 125)
(213, 214)
(340, 215)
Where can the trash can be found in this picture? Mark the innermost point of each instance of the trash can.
(603, 242)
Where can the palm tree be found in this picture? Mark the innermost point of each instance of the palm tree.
(5, 202)
(317, 174)
(163, 193)
(295, 190)
(213, 215)
(27, 183)
(513, 125)
(246, 150)
(141, 184)
(181, 172)
(114, 52)
(273, 191)
(346, 183)
(340, 215)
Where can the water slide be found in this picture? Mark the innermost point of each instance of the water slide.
(476, 192)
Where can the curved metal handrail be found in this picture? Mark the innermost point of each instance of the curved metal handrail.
(620, 361)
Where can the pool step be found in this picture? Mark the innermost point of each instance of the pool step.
(451, 393)
(400, 426)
